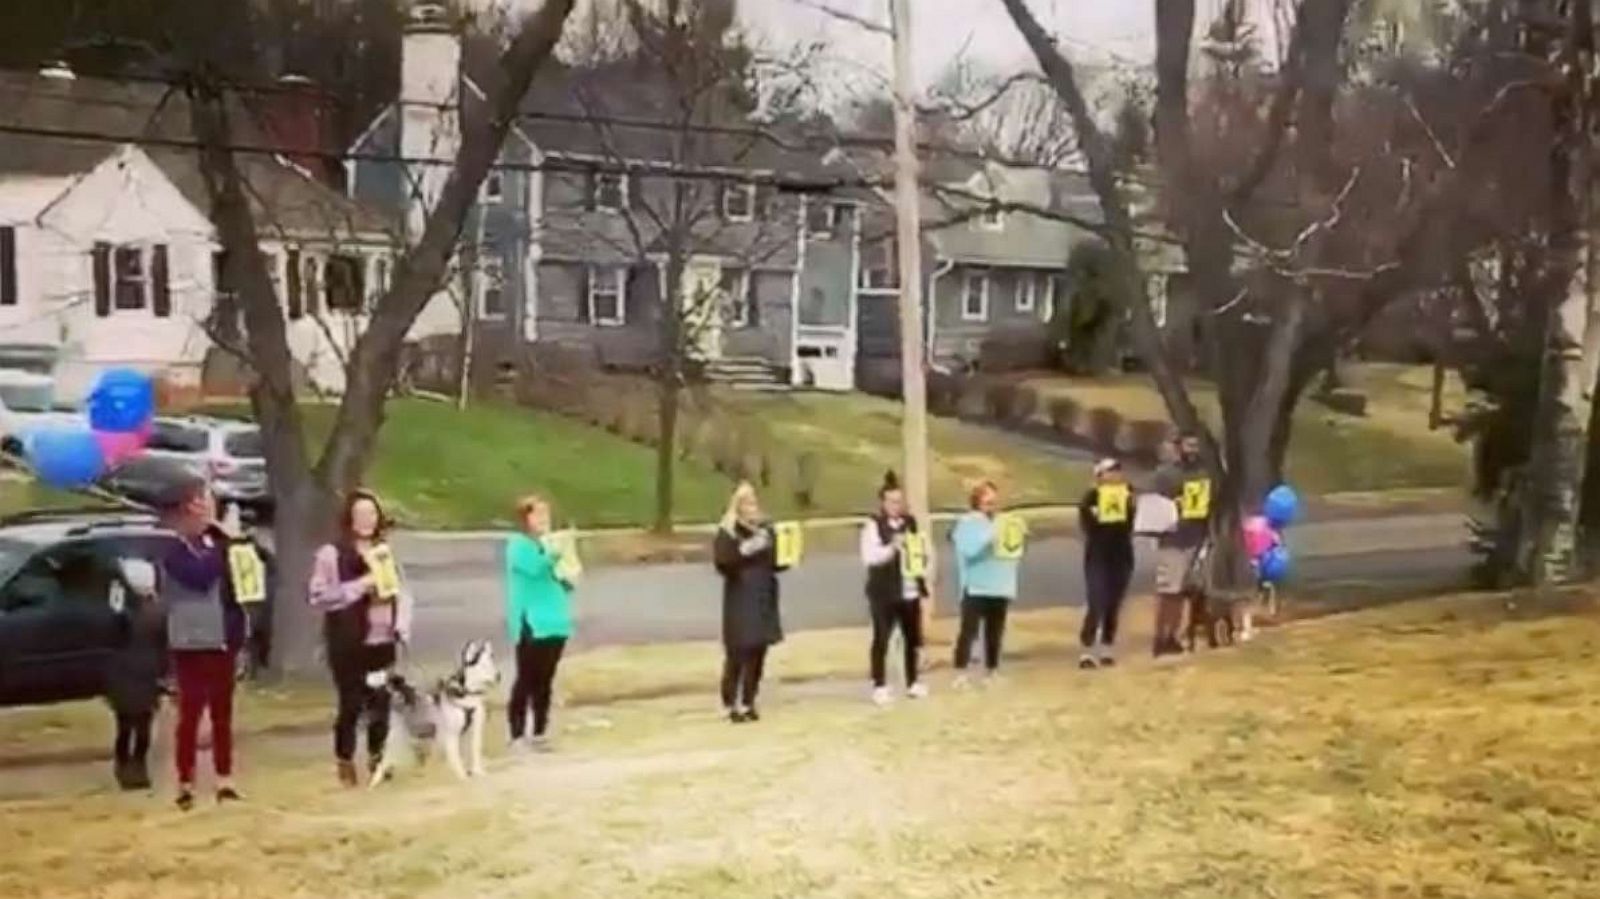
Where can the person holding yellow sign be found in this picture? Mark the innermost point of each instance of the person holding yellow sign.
(1180, 577)
(895, 554)
(988, 549)
(541, 572)
(358, 585)
(1105, 516)
(745, 554)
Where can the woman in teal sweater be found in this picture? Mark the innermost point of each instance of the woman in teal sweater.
(988, 583)
(538, 620)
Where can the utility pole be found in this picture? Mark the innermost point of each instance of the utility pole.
(908, 233)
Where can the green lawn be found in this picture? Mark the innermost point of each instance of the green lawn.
(1435, 749)
(1389, 448)
(856, 437)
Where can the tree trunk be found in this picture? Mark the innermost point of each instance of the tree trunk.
(669, 377)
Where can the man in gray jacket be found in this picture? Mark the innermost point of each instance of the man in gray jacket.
(1179, 563)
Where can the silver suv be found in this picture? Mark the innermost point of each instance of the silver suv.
(226, 452)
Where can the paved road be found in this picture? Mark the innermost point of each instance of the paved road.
(459, 594)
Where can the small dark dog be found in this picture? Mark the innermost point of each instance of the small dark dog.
(1212, 616)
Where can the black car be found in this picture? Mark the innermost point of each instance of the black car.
(58, 623)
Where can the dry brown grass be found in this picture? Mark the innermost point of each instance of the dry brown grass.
(1432, 749)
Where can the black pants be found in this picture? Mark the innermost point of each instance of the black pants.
(351, 664)
(537, 659)
(741, 676)
(133, 737)
(907, 615)
(990, 612)
(1107, 581)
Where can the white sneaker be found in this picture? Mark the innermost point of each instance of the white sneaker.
(881, 696)
(917, 690)
(962, 682)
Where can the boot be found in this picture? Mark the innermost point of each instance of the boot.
(123, 774)
(347, 773)
(139, 774)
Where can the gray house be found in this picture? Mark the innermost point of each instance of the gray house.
(994, 274)
(568, 243)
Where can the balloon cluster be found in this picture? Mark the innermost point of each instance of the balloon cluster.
(120, 409)
(1263, 534)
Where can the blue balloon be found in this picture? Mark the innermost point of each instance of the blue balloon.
(1273, 565)
(122, 400)
(1282, 506)
(65, 457)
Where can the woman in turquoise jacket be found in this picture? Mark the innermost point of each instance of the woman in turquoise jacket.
(538, 620)
(988, 583)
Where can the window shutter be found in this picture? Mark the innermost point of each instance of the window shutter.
(292, 270)
(634, 184)
(8, 266)
(102, 279)
(765, 196)
(160, 283)
(590, 182)
(583, 295)
(752, 307)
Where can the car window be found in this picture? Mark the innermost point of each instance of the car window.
(12, 554)
(79, 570)
(244, 444)
(176, 438)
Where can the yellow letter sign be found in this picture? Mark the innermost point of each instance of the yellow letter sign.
(914, 557)
(1111, 503)
(1195, 503)
(791, 543)
(385, 573)
(1011, 534)
(248, 574)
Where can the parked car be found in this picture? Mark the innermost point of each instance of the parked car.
(27, 401)
(226, 452)
(57, 615)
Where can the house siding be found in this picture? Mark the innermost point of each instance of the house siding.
(958, 339)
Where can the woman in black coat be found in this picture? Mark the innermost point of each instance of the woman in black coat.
(745, 552)
(133, 678)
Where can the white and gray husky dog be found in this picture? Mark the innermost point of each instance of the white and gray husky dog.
(449, 715)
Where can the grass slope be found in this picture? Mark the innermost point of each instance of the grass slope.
(1389, 448)
(1434, 749)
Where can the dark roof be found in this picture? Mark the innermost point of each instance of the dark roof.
(283, 196)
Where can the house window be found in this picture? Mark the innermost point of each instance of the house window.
(311, 279)
(610, 191)
(992, 218)
(494, 187)
(130, 290)
(8, 266)
(737, 300)
(378, 282)
(491, 288)
(739, 202)
(296, 292)
(975, 297)
(608, 294)
(131, 278)
(344, 287)
(880, 269)
(1055, 289)
(1027, 291)
(821, 219)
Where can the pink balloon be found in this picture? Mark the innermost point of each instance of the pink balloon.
(118, 447)
(1258, 535)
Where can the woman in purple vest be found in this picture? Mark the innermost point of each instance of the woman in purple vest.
(894, 598)
(363, 624)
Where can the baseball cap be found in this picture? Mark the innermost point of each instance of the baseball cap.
(1107, 464)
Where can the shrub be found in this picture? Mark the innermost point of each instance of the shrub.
(1064, 415)
(808, 473)
(973, 399)
(1104, 426)
(944, 393)
(1000, 398)
(1019, 350)
(1024, 403)
(1145, 437)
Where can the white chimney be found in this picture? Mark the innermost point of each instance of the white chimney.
(430, 99)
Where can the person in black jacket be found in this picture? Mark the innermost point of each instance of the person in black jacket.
(745, 554)
(133, 676)
(894, 596)
(1106, 518)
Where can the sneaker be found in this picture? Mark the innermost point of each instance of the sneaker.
(347, 774)
(185, 800)
(751, 714)
(123, 773)
(138, 775)
(539, 743)
(1107, 658)
(737, 716)
(993, 678)
(881, 697)
(962, 682)
(917, 691)
(228, 794)
(1086, 662)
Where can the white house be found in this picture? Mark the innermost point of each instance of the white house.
(108, 253)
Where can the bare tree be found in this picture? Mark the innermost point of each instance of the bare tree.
(305, 486)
